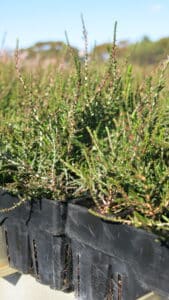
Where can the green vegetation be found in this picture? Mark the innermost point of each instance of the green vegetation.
(84, 133)
(142, 53)
(49, 50)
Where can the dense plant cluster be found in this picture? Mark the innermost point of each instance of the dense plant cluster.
(79, 133)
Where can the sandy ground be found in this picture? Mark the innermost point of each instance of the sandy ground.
(27, 288)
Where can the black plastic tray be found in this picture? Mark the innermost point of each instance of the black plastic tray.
(18, 247)
(15, 231)
(35, 240)
(21, 213)
(48, 215)
(52, 259)
(115, 260)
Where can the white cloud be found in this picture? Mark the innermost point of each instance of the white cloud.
(156, 7)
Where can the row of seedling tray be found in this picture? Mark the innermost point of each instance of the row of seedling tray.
(65, 247)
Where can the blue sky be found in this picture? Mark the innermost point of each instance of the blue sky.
(40, 20)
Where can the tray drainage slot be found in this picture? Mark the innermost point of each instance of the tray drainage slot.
(35, 256)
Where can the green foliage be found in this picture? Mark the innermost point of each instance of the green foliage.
(126, 170)
(84, 132)
(48, 50)
(142, 53)
(148, 52)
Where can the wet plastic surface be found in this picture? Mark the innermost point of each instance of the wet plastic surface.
(130, 261)
(35, 240)
(65, 247)
(18, 249)
(50, 259)
(48, 215)
(99, 276)
(22, 212)
(15, 232)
